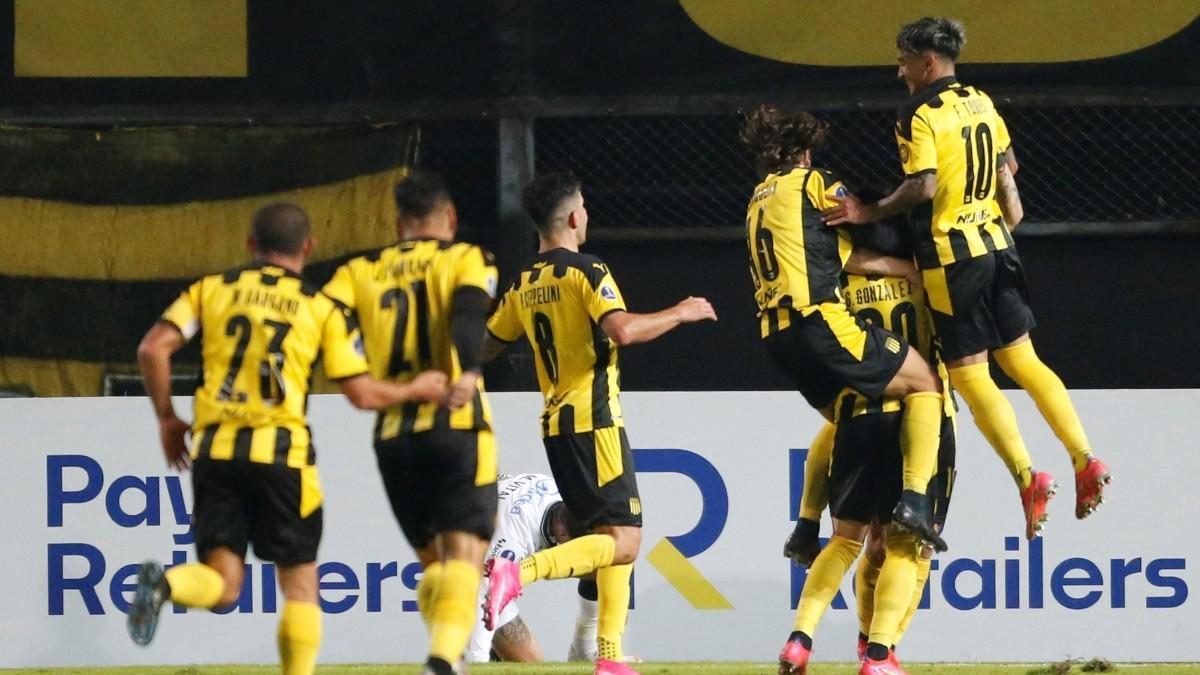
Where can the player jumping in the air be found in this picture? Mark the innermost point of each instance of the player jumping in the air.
(795, 263)
(855, 467)
(953, 147)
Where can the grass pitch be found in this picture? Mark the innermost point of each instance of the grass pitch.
(653, 669)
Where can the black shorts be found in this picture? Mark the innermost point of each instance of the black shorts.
(275, 507)
(818, 352)
(441, 480)
(979, 304)
(867, 471)
(595, 475)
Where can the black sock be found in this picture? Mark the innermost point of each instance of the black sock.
(803, 638)
(877, 652)
(862, 636)
(439, 666)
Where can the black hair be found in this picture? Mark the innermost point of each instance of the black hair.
(544, 194)
(419, 193)
(892, 236)
(941, 35)
(281, 227)
(560, 510)
(778, 138)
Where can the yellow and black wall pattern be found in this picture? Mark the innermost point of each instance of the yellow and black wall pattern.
(99, 230)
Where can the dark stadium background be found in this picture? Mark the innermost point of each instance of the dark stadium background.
(644, 107)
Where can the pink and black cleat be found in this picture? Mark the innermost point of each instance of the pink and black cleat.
(1089, 487)
(1034, 499)
(504, 586)
(793, 658)
(889, 666)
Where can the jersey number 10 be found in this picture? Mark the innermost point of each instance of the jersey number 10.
(981, 153)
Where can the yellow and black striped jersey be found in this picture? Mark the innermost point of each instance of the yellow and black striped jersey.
(402, 296)
(895, 304)
(558, 303)
(795, 259)
(262, 329)
(954, 131)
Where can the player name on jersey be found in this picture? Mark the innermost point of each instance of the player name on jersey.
(887, 288)
(254, 297)
(540, 295)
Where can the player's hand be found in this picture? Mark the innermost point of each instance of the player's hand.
(695, 309)
(429, 385)
(462, 391)
(171, 432)
(849, 211)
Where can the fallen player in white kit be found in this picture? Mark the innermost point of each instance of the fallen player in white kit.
(530, 517)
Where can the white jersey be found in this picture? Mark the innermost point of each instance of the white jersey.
(520, 515)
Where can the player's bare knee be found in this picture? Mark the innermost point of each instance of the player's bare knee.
(849, 529)
(627, 541)
(233, 588)
(299, 582)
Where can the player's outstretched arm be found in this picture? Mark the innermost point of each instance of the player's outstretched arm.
(1007, 195)
(867, 262)
(914, 191)
(367, 393)
(154, 359)
(627, 328)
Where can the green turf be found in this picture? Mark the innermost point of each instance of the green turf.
(646, 669)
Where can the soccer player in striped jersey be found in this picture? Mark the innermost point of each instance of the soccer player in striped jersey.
(855, 466)
(423, 303)
(795, 263)
(959, 186)
(569, 307)
(254, 473)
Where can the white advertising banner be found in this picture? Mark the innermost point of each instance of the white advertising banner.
(86, 497)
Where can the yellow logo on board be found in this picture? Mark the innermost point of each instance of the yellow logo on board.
(1023, 31)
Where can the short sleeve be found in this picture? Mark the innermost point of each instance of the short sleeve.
(184, 313)
(601, 293)
(342, 345)
(1003, 140)
(477, 269)
(341, 287)
(505, 325)
(824, 189)
(918, 154)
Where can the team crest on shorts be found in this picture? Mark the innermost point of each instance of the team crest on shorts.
(635, 506)
(892, 345)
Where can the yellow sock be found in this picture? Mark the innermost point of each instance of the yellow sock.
(866, 575)
(923, 564)
(920, 436)
(195, 585)
(995, 418)
(815, 497)
(1021, 363)
(299, 637)
(823, 580)
(893, 592)
(612, 586)
(431, 576)
(453, 614)
(570, 559)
